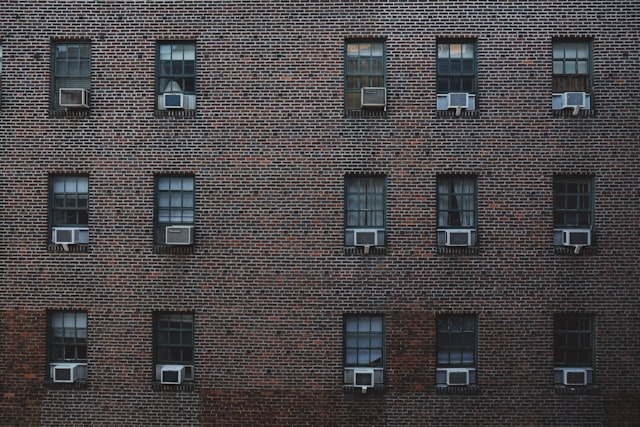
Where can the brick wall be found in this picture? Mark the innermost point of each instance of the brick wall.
(269, 146)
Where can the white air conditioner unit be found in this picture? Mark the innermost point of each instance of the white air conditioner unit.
(365, 237)
(457, 376)
(576, 237)
(373, 97)
(575, 100)
(458, 100)
(572, 376)
(172, 374)
(65, 372)
(179, 235)
(363, 378)
(73, 98)
(67, 235)
(171, 101)
(458, 237)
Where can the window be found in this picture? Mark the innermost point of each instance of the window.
(364, 350)
(573, 349)
(456, 75)
(572, 74)
(175, 210)
(174, 345)
(365, 68)
(572, 209)
(67, 346)
(176, 76)
(457, 210)
(0, 59)
(69, 209)
(71, 81)
(365, 211)
(456, 342)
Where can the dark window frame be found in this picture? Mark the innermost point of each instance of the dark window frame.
(165, 348)
(573, 201)
(465, 77)
(66, 343)
(373, 215)
(176, 69)
(353, 344)
(161, 209)
(61, 70)
(359, 69)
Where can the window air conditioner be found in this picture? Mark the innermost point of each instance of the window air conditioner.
(172, 374)
(65, 372)
(179, 235)
(363, 378)
(572, 376)
(574, 100)
(365, 237)
(67, 235)
(458, 100)
(73, 98)
(373, 97)
(171, 101)
(576, 237)
(458, 376)
(458, 237)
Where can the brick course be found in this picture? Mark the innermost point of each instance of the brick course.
(269, 146)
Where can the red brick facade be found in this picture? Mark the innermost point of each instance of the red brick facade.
(269, 279)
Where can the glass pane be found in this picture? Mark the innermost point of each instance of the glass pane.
(163, 199)
(351, 357)
(163, 184)
(56, 320)
(164, 215)
(165, 52)
(189, 52)
(376, 357)
(570, 67)
(175, 183)
(363, 357)
(364, 324)
(376, 341)
(443, 50)
(582, 50)
(187, 216)
(467, 356)
(69, 320)
(443, 357)
(570, 51)
(176, 216)
(81, 320)
(351, 340)
(363, 341)
(187, 200)
(176, 200)
(558, 67)
(83, 185)
(377, 49)
(467, 51)
(455, 50)
(583, 67)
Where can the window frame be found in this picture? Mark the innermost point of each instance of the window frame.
(79, 212)
(80, 80)
(379, 367)
(352, 91)
(371, 181)
(563, 82)
(442, 367)
(52, 359)
(577, 336)
(460, 76)
(158, 361)
(159, 224)
(186, 80)
(472, 211)
(580, 209)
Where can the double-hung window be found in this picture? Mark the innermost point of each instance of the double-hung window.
(176, 76)
(71, 82)
(456, 341)
(456, 75)
(364, 337)
(174, 347)
(574, 343)
(69, 209)
(67, 346)
(573, 210)
(365, 211)
(572, 75)
(457, 210)
(175, 210)
(365, 75)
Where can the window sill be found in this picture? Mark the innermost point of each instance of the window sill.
(458, 250)
(80, 112)
(579, 390)
(568, 112)
(458, 389)
(175, 113)
(360, 250)
(174, 249)
(184, 387)
(81, 384)
(357, 391)
(374, 112)
(571, 251)
(452, 113)
(81, 247)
